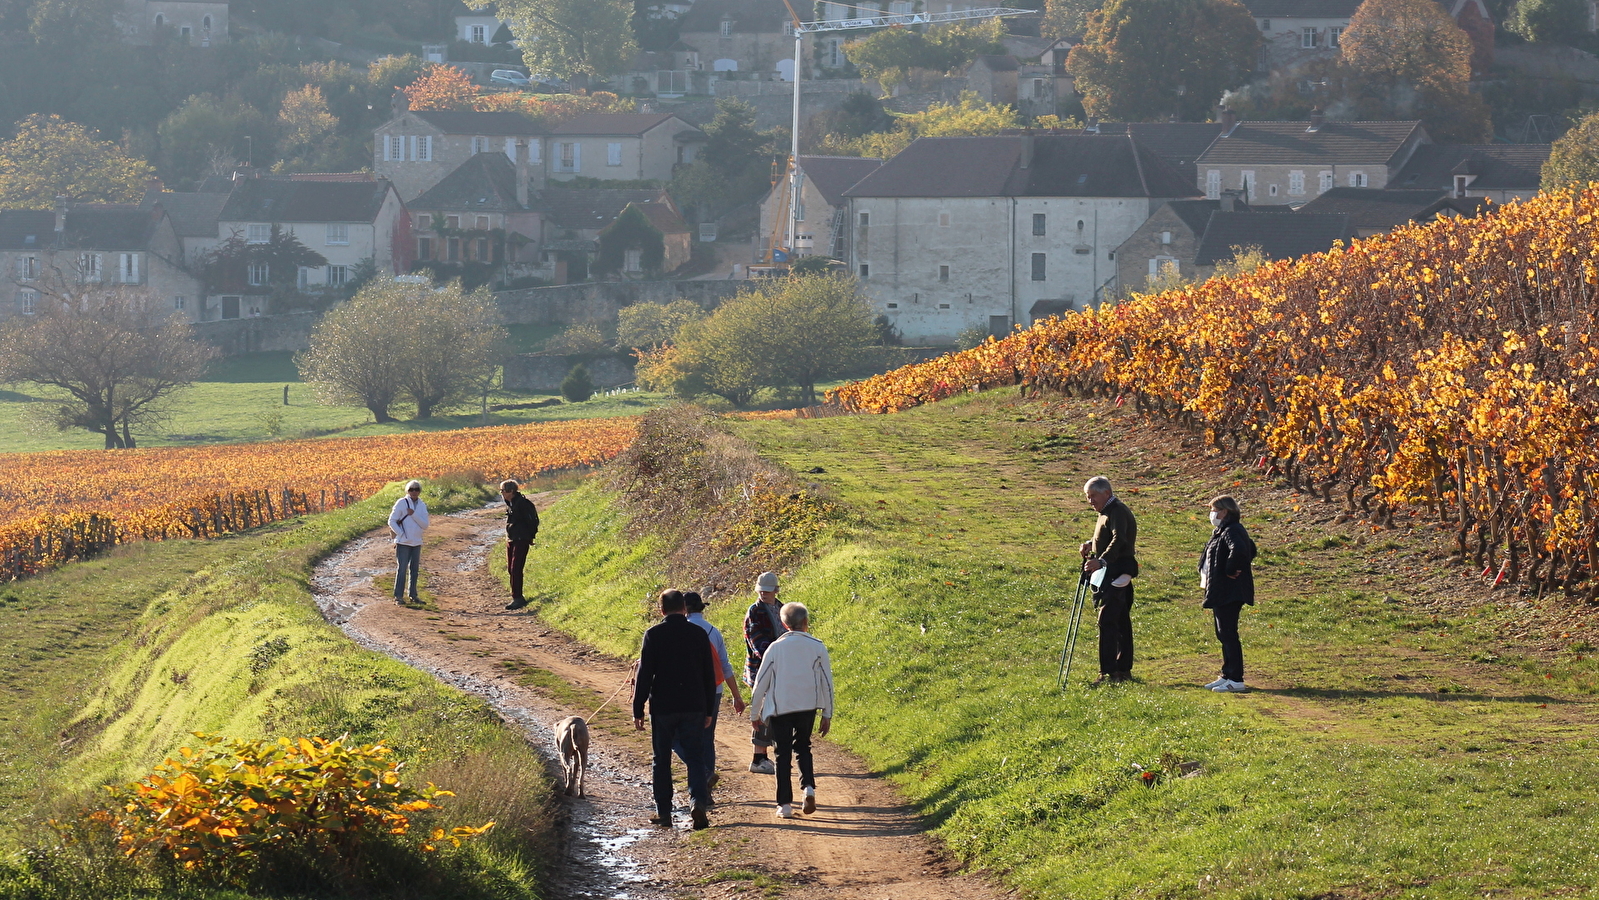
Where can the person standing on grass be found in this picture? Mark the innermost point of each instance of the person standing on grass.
(521, 527)
(408, 520)
(795, 683)
(1111, 549)
(724, 675)
(762, 625)
(1227, 577)
(677, 677)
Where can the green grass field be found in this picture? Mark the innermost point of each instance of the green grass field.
(1391, 748)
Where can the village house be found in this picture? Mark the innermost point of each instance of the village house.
(1295, 32)
(1372, 212)
(574, 218)
(823, 209)
(203, 23)
(1276, 235)
(754, 37)
(1178, 143)
(622, 146)
(959, 232)
(1169, 240)
(993, 78)
(480, 214)
(478, 26)
(416, 149)
(1282, 163)
(77, 245)
(1498, 172)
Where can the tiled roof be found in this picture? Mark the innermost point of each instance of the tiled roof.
(109, 226)
(1194, 213)
(1179, 143)
(629, 124)
(1278, 236)
(26, 229)
(1290, 143)
(193, 213)
(833, 175)
(1498, 167)
(486, 181)
(663, 217)
(593, 208)
(452, 121)
(1370, 208)
(1301, 9)
(284, 200)
(1062, 165)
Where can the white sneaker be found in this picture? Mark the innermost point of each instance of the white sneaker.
(1230, 687)
(810, 801)
(763, 766)
(785, 810)
(1216, 684)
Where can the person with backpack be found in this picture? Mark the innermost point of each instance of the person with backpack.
(1228, 580)
(521, 527)
(408, 520)
(762, 626)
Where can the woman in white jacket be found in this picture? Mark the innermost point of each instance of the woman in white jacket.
(408, 520)
(795, 683)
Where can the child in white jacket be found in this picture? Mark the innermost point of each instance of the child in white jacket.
(795, 683)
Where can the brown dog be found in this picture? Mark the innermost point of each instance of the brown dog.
(572, 737)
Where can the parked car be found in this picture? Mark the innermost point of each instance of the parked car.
(510, 77)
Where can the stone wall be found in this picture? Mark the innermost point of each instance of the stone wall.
(290, 331)
(538, 372)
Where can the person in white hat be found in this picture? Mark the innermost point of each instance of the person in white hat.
(762, 626)
(408, 520)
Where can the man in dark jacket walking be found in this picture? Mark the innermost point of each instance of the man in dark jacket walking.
(1111, 549)
(521, 527)
(676, 675)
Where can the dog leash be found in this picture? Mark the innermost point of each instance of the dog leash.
(625, 682)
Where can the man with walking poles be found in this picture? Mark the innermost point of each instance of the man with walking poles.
(1110, 567)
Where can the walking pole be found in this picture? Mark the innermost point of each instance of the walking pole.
(1073, 620)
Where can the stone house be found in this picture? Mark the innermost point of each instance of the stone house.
(416, 149)
(349, 219)
(1278, 235)
(994, 79)
(1373, 212)
(574, 218)
(977, 231)
(1282, 163)
(823, 219)
(480, 214)
(745, 36)
(477, 26)
(1295, 32)
(1168, 239)
(622, 146)
(200, 22)
(675, 236)
(88, 244)
(1499, 172)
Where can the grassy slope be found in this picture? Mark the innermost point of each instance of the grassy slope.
(126, 655)
(1374, 767)
(236, 400)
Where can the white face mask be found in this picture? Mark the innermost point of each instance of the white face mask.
(1216, 519)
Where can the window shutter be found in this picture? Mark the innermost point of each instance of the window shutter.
(510, 149)
(385, 140)
(413, 148)
(425, 148)
(577, 157)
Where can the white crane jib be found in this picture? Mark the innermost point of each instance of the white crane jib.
(881, 21)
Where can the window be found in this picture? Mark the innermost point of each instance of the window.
(424, 222)
(27, 301)
(1246, 180)
(338, 233)
(205, 23)
(727, 28)
(89, 267)
(1357, 179)
(482, 223)
(866, 219)
(1296, 183)
(893, 306)
(452, 221)
(184, 33)
(258, 274)
(1161, 265)
(424, 148)
(394, 148)
(1263, 61)
(128, 268)
(1265, 24)
(570, 158)
(424, 248)
(1038, 224)
(943, 273)
(478, 35)
(1325, 183)
(302, 279)
(866, 271)
(613, 153)
(481, 145)
(160, 20)
(338, 275)
(1165, 237)
(27, 268)
(453, 250)
(1038, 267)
(258, 234)
(1213, 184)
(943, 306)
(633, 260)
(179, 302)
(483, 250)
(1335, 37)
(1271, 189)
(1038, 89)
(1307, 37)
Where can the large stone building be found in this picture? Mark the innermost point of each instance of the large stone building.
(1288, 163)
(979, 231)
(1499, 172)
(823, 214)
(480, 213)
(203, 23)
(417, 148)
(622, 146)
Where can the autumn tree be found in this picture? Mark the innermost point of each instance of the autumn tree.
(1067, 18)
(1410, 57)
(404, 342)
(117, 353)
(442, 87)
(572, 39)
(304, 124)
(1574, 159)
(206, 136)
(889, 54)
(51, 156)
(967, 116)
(1548, 20)
(1147, 60)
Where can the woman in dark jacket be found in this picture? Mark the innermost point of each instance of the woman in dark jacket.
(1228, 580)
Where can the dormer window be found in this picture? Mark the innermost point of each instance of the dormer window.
(727, 28)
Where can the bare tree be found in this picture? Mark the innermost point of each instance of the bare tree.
(116, 351)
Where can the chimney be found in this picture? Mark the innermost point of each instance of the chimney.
(521, 172)
(1027, 149)
(1229, 201)
(400, 102)
(1317, 119)
(1093, 125)
(1229, 121)
(61, 213)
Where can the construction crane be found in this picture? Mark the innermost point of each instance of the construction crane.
(792, 178)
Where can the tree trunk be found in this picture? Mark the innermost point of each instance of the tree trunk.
(380, 414)
(424, 410)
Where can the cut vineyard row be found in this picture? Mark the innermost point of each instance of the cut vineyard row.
(61, 506)
(1450, 369)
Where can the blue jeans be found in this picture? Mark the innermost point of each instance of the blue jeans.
(708, 752)
(406, 556)
(665, 729)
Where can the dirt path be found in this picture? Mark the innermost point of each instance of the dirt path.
(862, 842)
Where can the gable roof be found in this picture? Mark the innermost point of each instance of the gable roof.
(1179, 143)
(1370, 208)
(193, 213)
(100, 226)
(663, 216)
(594, 208)
(748, 16)
(621, 124)
(485, 182)
(833, 175)
(1194, 213)
(1062, 165)
(1301, 9)
(1498, 167)
(1289, 143)
(453, 121)
(292, 200)
(1278, 236)
(17, 226)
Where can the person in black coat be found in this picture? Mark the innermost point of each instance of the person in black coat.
(1227, 577)
(521, 527)
(677, 679)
